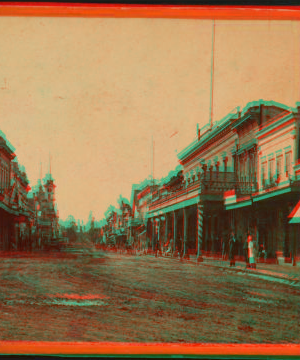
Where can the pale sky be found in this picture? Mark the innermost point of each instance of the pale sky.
(93, 92)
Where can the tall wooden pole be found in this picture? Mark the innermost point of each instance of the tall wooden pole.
(212, 76)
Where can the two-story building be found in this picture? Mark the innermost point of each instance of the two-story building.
(141, 197)
(267, 154)
(240, 174)
(193, 207)
(16, 213)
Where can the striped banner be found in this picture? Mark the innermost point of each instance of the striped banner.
(200, 227)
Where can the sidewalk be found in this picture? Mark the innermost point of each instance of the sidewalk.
(285, 272)
(282, 273)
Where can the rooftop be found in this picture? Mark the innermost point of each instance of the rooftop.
(207, 132)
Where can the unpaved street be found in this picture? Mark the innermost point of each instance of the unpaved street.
(112, 297)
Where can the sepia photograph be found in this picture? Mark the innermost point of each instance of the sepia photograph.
(149, 180)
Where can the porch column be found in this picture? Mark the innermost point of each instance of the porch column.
(158, 239)
(294, 243)
(166, 227)
(257, 232)
(174, 230)
(30, 236)
(149, 224)
(200, 231)
(153, 233)
(286, 235)
(206, 232)
(212, 234)
(185, 227)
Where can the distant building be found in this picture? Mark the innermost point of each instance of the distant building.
(16, 211)
(46, 217)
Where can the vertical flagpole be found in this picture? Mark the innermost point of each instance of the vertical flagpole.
(150, 148)
(212, 76)
(49, 162)
(152, 160)
(151, 187)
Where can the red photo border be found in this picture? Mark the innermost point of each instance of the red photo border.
(149, 11)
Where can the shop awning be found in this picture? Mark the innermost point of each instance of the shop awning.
(295, 215)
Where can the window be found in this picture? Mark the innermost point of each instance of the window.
(225, 164)
(263, 172)
(242, 169)
(288, 163)
(271, 170)
(278, 166)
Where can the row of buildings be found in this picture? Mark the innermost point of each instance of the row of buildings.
(240, 174)
(28, 218)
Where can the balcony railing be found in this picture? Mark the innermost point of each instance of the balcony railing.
(219, 182)
(277, 181)
(210, 183)
(269, 184)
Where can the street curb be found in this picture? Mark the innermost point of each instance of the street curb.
(257, 273)
(287, 280)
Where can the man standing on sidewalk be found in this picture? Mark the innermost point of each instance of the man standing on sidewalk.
(232, 246)
(224, 247)
(245, 250)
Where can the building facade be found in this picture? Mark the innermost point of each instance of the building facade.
(16, 211)
(28, 219)
(46, 220)
(241, 174)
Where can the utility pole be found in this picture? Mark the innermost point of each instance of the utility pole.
(152, 169)
(212, 76)
(41, 171)
(49, 163)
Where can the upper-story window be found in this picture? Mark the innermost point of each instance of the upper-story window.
(279, 166)
(1, 177)
(4, 176)
(263, 172)
(254, 161)
(288, 163)
(225, 165)
(241, 174)
(271, 169)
